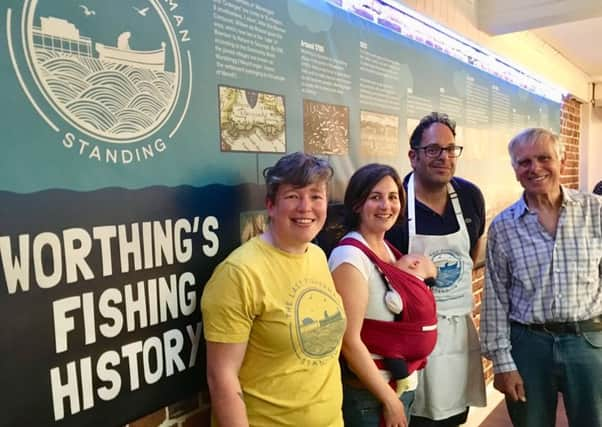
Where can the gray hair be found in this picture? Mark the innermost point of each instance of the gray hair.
(531, 136)
(297, 169)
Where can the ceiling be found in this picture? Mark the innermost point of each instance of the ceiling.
(579, 42)
(572, 27)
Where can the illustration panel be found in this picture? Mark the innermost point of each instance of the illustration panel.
(252, 223)
(119, 90)
(251, 121)
(325, 128)
(379, 134)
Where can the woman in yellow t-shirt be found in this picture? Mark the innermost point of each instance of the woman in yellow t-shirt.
(273, 321)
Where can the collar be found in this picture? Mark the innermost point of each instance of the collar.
(568, 198)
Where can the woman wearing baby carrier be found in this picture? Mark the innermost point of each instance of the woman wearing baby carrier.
(391, 315)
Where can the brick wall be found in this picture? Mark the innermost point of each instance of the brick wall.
(478, 282)
(192, 412)
(570, 122)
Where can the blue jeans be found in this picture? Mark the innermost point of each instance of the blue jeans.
(557, 363)
(362, 409)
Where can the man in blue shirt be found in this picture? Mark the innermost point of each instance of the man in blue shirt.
(541, 320)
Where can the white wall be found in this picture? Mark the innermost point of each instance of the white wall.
(590, 154)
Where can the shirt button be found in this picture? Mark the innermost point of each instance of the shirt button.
(559, 296)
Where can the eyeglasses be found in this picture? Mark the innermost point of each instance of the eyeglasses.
(435, 150)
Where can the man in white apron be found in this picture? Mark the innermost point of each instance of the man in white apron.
(445, 220)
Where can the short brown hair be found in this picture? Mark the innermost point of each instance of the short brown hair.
(297, 169)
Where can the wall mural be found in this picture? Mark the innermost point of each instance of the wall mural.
(135, 134)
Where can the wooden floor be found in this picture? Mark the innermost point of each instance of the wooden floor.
(499, 416)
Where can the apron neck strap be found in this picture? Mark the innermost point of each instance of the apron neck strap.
(412, 205)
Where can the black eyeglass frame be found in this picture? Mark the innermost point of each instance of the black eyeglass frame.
(450, 149)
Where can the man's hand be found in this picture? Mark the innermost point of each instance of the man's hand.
(511, 384)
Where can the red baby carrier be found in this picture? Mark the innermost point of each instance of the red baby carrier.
(413, 335)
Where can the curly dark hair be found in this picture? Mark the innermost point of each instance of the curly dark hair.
(426, 122)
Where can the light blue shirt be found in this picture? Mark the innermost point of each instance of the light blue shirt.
(533, 277)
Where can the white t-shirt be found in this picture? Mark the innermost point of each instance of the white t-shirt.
(376, 308)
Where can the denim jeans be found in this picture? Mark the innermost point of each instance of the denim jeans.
(551, 363)
(362, 409)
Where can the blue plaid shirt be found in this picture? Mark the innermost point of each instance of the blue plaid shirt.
(533, 277)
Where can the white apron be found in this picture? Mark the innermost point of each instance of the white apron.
(453, 377)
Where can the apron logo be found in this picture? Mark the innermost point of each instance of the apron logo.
(116, 91)
(449, 268)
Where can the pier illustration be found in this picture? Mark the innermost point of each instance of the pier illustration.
(320, 323)
(111, 90)
(150, 59)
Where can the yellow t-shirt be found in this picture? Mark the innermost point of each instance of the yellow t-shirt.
(286, 308)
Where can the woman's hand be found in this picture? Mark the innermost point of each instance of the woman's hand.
(353, 288)
(394, 414)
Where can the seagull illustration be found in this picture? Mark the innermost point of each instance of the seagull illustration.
(141, 12)
(87, 11)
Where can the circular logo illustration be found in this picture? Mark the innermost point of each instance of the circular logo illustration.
(111, 69)
(320, 324)
(449, 268)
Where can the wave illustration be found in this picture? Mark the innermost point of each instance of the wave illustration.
(129, 115)
(68, 68)
(163, 85)
(114, 81)
(139, 74)
(135, 75)
(94, 65)
(61, 89)
(117, 100)
(108, 96)
(92, 112)
(79, 85)
(151, 89)
(147, 104)
(129, 127)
